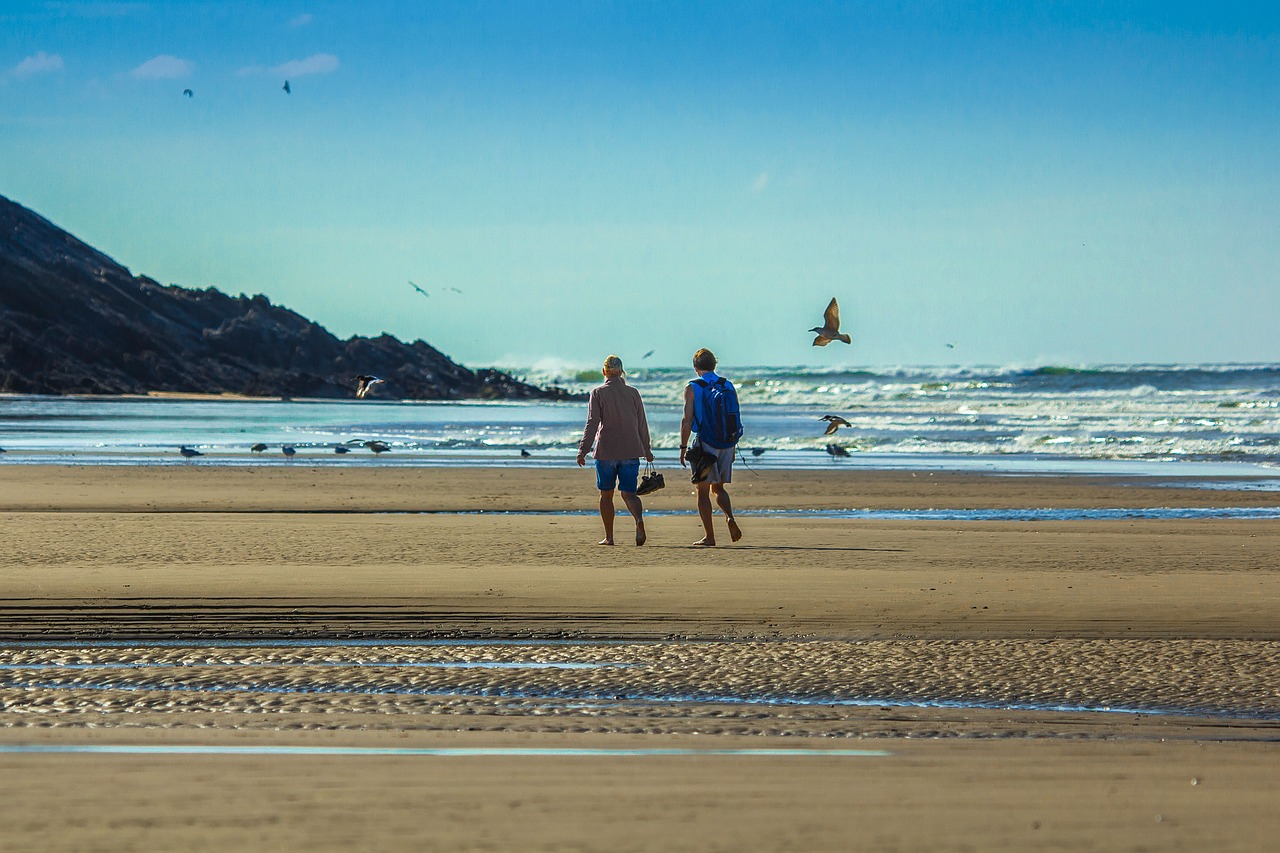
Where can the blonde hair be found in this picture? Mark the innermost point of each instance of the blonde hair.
(613, 366)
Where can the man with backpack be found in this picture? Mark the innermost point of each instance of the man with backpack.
(711, 411)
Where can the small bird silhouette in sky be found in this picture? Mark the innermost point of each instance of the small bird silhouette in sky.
(834, 422)
(830, 330)
(188, 93)
(646, 355)
(287, 88)
(419, 289)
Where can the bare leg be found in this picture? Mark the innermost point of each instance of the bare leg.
(704, 512)
(722, 499)
(606, 515)
(637, 512)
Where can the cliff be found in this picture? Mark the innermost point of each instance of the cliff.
(73, 321)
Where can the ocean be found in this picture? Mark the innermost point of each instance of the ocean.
(1190, 419)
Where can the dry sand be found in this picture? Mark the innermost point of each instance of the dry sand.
(769, 643)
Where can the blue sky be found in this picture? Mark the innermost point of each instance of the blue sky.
(1031, 182)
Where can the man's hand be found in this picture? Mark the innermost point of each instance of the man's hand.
(649, 459)
(582, 460)
(683, 452)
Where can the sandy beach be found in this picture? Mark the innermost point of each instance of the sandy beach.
(376, 608)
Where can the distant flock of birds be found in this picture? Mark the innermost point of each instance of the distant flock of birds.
(826, 333)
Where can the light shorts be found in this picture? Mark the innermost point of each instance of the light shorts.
(620, 472)
(722, 470)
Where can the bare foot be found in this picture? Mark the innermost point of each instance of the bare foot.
(735, 532)
(605, 542)
(705, 542)
(640, 536)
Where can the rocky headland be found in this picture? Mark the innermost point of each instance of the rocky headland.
(73, 321)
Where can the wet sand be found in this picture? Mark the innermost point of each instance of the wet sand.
(768, 643)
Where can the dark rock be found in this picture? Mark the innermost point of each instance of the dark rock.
(73, 321)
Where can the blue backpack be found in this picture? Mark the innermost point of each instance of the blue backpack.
(720, 425)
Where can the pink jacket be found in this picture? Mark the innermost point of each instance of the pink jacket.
(616, 424)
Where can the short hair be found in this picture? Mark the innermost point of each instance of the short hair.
(613, 366)
(704, 359)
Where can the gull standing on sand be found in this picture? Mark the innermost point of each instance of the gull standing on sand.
(377, 446)
(259, 447)
(830, 330)
(834, 422)
(338, 448)
(836, 450)
(364, 383)
(189, 452)
(288, 451)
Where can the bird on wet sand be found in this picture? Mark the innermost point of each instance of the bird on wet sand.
(377, 446)
(189, 452)
(364, 383)
(757, 451)
(834, 422)
(259, 447)
(288, 451)
(836, 450)
(830, 329)
(338, 448)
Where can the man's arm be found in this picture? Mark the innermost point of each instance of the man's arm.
(643, 424)
(686, 424)
(589, 431)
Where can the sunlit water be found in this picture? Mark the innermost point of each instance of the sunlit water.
(1123, 420)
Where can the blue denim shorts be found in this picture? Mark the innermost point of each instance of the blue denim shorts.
(623, 472)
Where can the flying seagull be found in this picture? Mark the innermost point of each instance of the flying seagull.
(836, 450)
(288, 450)
(188, 93)
(364, 383)
(419, 289)
(646, 355)
(259, 447)
(189, 452)
(286, 87)
(830, 331)
(455, 290)
(834, 422)
(377, 446)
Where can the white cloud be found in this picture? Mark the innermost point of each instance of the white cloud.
(321, 63)
(761, 181)
(41, 63)
(301, 21)
(163, 67)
